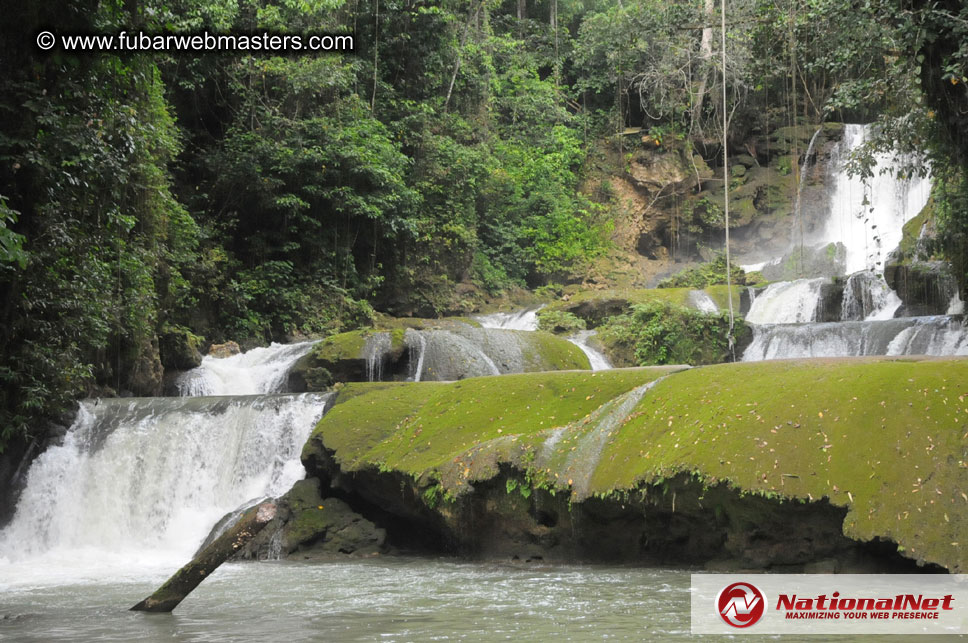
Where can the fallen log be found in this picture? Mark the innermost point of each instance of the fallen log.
(186, 579)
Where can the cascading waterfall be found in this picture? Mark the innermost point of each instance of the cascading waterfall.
(940, 335)
(868, 297)
(596, 358)
(144, 479)
(375, 352)
(867, 215)
(137, 483)
(260, 370)
(525, 319)
(786, 302)
(701, 301)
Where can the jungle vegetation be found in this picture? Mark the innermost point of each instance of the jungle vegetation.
(150, 198)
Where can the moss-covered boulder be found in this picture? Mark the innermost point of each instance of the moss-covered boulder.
(704, 464)
(451, 350)
(309, 525)
(179, 349)
(596, 306)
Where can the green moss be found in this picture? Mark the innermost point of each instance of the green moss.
(311, 519)
(550, 353)
(421, 427)
(720, 295)
(385, 322)
(342, 346)
(885, 438)
(911, 231)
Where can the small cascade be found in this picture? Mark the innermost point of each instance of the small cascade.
(956, 306)
(596, 358)
(375, 352)
(576, 449)
(447, 355)
(868, 297)
(867, 215)
(940, 335)
(526, 319)
(701, 301)
(417, 345)
(260, 370)
(797, 233)
(142, 480)
(787, 302)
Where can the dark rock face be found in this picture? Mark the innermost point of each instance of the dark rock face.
(179, 350)
(307, 525)
(830, 307)
(143, 375)
(926, 288)
(677, 522)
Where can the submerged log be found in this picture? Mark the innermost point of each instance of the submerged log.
(186, 579)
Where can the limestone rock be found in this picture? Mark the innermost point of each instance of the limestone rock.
(228, 349)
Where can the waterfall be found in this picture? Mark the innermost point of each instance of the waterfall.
(701, 301)
(417, 344)
(141, 481)
(867, 215)
(786, 302)
(940, 335)
(797, 213)
(447, 355)
(260, 370)
(867, 296)
(375, 352)
(526, 319)
(596, 358)
(956, 306)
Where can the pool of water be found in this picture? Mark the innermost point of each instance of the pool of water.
(382, 599)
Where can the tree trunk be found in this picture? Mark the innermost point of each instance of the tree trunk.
(705, 56)
(186, 579)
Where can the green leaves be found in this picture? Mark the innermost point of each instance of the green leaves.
(11, 243)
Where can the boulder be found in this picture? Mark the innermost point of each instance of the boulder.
(221, 351)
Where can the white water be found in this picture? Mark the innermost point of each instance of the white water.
(374, 352)
(786, 302)
(139, 482)
(701, 301)
(596, 358)
(526, 319)
(867, 215)
(260, 370)
(940, 335)
(956, 306)
(868, 297)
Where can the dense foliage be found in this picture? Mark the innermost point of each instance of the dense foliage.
(659, 332)
(711, 273)
(253, 197)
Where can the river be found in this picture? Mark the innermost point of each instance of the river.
(383, 599)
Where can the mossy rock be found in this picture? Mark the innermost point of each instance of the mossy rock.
(737, 171)
(179, 349)
(746, 160)
(881, 439)
(326, 525)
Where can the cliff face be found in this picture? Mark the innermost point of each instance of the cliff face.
(820, 465)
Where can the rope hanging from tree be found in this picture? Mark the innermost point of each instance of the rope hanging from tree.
(729, 280)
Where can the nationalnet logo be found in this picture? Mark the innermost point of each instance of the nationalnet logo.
(741, 604)
(830, 603)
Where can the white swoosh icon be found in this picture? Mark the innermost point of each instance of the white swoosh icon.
(741, 606)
